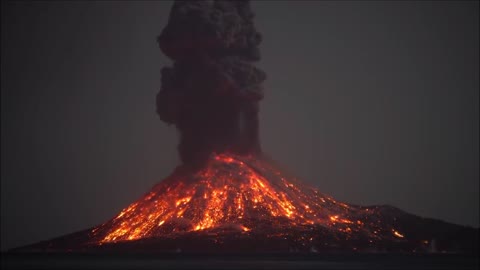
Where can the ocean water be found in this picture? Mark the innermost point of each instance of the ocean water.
(236, 261)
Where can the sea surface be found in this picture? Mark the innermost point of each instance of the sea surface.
(198, 261)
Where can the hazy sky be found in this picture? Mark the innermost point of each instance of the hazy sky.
(372, 102)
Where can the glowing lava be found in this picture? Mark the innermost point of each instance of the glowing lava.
(244, 194)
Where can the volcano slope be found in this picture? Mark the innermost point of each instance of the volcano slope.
(246, 204)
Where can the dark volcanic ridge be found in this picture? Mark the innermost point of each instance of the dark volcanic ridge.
(242, 204)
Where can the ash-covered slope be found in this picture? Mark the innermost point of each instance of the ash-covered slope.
(244, 203)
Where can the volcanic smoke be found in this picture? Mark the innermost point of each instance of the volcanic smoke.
(227, 195)
(211, 93)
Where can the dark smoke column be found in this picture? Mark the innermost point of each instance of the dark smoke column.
(211, 93)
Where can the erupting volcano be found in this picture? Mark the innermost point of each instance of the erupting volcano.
(227, 195)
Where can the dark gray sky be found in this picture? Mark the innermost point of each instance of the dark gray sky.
(372, 102)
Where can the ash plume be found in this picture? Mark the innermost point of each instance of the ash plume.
(212, 91)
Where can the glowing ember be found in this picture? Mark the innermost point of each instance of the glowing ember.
(245, 193)
(397, 234)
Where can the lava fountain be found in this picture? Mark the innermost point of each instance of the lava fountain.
(227, 195)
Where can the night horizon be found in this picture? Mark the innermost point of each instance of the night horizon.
(404, 128)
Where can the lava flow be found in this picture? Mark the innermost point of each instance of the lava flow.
(241, 193)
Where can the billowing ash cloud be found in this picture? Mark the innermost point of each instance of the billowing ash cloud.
(211, 93)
